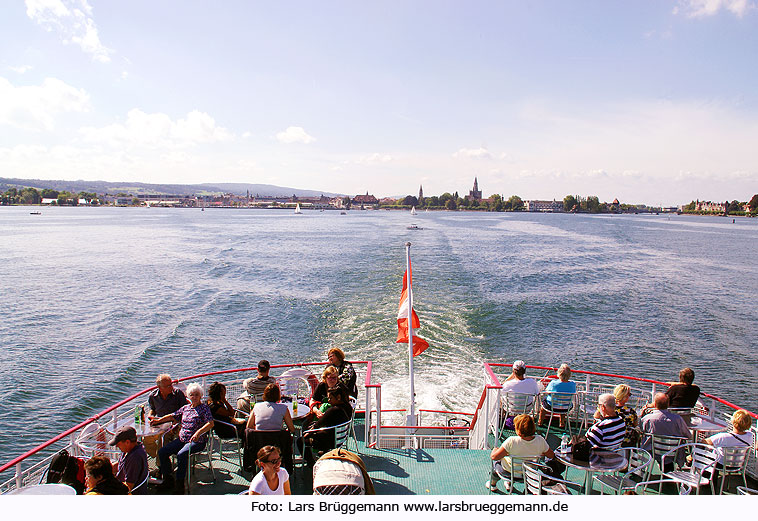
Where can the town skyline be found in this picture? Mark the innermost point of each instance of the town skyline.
(649, 102)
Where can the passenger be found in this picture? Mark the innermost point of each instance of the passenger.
(608, 433)
(269, 415)
(561, 385)
(254, 387)
(222, 410)
(622, 393)
(339, 412)
(518, 383)
(664, 422)
(166, 399)
(526, 444)
(274, 479)
(196, 421)
(740, 435)
(344, 370)
(329, 378)
(100, 480)
(683, 393)
(132, 467)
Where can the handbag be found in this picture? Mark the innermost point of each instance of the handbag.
(580, 448)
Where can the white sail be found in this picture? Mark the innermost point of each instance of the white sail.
(297, 208)
(413, 210)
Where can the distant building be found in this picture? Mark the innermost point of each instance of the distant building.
(543, 206)
(420, 195)
(475, 194)
(708, 206)
(365, 200)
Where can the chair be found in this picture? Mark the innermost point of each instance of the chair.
(221, 431)
(93, 441)
(516, 473)
(515, 403)
(734, 463)
(638, 470)
(562, 404)
(354, 407)
(745, 491)
(255, 439)
(192, 459)
(143, 484)
(661, 444)
(642, 486)
(341, 433)
(535, 473)
(704, 458)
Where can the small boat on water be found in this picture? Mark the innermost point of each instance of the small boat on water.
(35, 213)
(414, 227)
(343, 212)
(297, 209)
(413, 210)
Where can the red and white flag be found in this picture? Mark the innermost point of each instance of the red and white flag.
(419, 344)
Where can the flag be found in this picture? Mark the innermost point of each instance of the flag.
(419, 344)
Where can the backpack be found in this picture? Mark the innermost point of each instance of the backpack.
(68, 470)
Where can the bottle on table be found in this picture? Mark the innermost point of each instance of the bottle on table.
(294, 406)
(564, 443)
(137, 415)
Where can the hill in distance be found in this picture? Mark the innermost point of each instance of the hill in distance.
(109, 187)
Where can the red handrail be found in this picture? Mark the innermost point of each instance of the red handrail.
(110, 409)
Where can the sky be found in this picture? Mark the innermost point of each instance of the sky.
(652, 101)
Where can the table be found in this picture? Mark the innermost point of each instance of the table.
(302, 410)
(602, 461)
(696, 423)
(45, 489)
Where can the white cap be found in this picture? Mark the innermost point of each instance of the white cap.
(519, 364)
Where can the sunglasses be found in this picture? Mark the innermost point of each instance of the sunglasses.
(276, 461)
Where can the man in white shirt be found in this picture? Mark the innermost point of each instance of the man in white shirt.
(518, 383)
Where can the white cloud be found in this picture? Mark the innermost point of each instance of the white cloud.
(158, 130)
(295, 135)
(373, 159)
(703, 8)
(473, 153)
(34, 107)
(21, 69)
(72, 21)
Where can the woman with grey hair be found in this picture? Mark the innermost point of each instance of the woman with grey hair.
(196, 421)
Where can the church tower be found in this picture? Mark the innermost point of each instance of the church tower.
(420, 194)
(475, 194)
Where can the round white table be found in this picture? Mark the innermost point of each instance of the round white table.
(601, 461)
(45, 489)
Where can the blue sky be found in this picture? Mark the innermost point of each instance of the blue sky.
(651, 102)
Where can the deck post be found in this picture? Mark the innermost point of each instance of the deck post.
(378, 415)
(18, 475)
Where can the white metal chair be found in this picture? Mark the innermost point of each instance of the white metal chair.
(733, 463)
(562, 404)
(700, 473)
(341, 434)
(509, 478)
(225, 439)
(536, 473)
(661, 444)
(143, 484)
(93, 441)
(745, 491)
(641, 488)
(638, 470)
(192, 459)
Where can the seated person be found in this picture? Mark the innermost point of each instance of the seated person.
(166, 399)
(131, 468)
(269, 415)
(517, 381)
(608, 432)
(254, 387)
(665, 423)
(274, 479)
(196, 421)
(344, 369)
(100, 480)
(683, 393)
(561, 385)
(339, 412)
(329, 378)
(738, 437)
(622, 393)
(526, 444)
(222, 411)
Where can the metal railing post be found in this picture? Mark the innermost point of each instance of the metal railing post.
(378, 416)
(18, 475)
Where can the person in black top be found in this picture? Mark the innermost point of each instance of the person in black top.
(100, 479)
(683, 393)
(329, 378)
(344, 369)
(222, 410)
(339, 412)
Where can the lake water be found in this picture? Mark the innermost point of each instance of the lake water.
(94, 302)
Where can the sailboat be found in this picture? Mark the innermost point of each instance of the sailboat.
(297, 208)
(413, 210)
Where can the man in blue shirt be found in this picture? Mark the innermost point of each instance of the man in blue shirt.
(131, 468)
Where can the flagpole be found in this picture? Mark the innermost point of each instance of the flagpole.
(411, 419)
